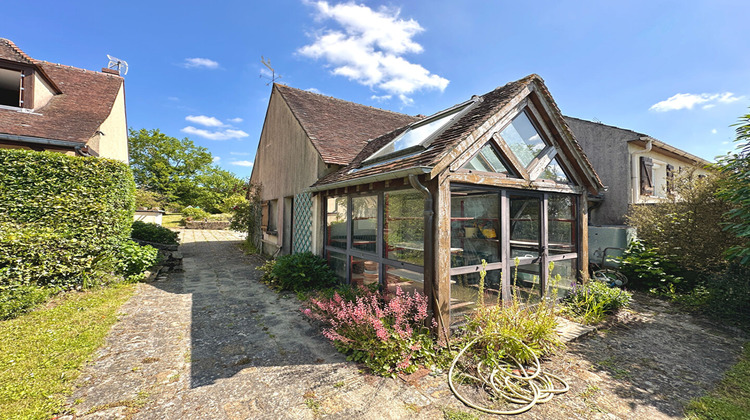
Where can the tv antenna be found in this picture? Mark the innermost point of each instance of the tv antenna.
(116, 64)
(273, 77)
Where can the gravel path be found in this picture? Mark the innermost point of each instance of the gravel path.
(214, 343)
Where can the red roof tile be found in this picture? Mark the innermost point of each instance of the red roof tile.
(339, 129)
(75, 114)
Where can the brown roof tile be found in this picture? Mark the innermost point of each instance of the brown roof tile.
(339, 129)
(75, 114)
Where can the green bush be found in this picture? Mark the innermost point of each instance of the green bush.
(134, 259)
(62, 219)
(298, 272)
(152, 232)
(728, 293)
(16, 299)
(648, 269)
(592, 301)
(231, 202)
(195, 213)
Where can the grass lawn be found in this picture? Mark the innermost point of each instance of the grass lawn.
(171, 220)
(731, 398)
(41, 352)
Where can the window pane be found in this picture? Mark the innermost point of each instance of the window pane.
(465, 292)
(475, 227)
(487, 160)
(525, 282)
(10, 87)
(407, 280)
(365, 223)
(523, 139)
(336, 222)
(554, 172)
(337, 262)
(364, 272)
(567, 270)
(403, 226)
(417, 134)
(561, 222)
(524, 226)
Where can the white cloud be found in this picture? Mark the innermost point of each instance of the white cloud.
(225, 134)
(173, 98)
(239, 153)
(714, 131)
(200, 63)
(689, 100)
(382, 98)
(313, 90)
(235, 120)
(204, 120)
(246, 163)
(217, 159)
(369, 49)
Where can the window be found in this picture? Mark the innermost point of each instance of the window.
(272, 208)
(523, 139)
(403, 226)
(10, 88)
(365, 223)
(487, 160)
(554, 172)
(420, 133)
(647, 176)
(336, 217)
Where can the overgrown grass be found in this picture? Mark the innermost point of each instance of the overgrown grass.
(730, 399)
(41, 352)
(172, 220)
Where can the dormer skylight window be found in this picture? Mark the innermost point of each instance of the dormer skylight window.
(11, 88)
(420, 134)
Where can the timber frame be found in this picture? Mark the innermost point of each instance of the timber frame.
(518, 219)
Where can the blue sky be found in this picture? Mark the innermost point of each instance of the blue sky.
(676, 70)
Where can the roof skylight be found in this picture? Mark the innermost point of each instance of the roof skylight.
(420, 133)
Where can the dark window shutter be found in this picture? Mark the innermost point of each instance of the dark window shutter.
(647, 176)
(264, 216)
(670, 179)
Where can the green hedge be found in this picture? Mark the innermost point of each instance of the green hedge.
(63, 220)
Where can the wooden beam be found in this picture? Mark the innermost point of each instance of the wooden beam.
(583, 245)
(499, 180)
(541, 161)
(510, 157)
(442, 247)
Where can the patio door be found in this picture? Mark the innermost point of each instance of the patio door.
(526, 251)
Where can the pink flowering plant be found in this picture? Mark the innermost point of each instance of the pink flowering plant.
(386, 333)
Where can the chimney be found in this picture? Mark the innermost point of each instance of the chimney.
(110, 71)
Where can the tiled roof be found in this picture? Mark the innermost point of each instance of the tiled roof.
(75, 114)
(339, 129)
(490, 104)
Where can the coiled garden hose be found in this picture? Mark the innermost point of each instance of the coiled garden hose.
(525, 388)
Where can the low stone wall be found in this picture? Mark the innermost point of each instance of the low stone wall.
(206, 224)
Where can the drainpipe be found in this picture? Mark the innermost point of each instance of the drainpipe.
(634, 170)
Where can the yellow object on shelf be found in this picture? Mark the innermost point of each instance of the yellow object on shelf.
(489, 233)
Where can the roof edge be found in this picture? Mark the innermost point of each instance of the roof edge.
(400, 173)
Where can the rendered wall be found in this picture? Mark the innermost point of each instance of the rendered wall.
(113, 143)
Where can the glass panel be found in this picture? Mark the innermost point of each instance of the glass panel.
(525, 282)
(561, 224)
(487, 160)
(336, 222)
(364, 272)
(523, 139)
(475, 227)
(567, 270)
(465, 292)
(554, 172)
(365, 223)
(337, 262)
(10, 87)
(403, 226)
(417, 134)
(407, 280)
(524, 226)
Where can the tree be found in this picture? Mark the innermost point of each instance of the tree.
(735, 188)
(179, 170)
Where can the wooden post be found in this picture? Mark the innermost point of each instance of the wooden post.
(442, 253)
(583, 250)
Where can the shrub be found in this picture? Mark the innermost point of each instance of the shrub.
(298, 272)
(647, 269)
(246, 217)
(134, 259)
(229, 203)
(152, 232)
(195, 213)
(16, 299)
(728, 293)
(386, 333)
(592, 301)
(149, 200)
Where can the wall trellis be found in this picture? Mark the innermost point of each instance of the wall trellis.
(302, 230)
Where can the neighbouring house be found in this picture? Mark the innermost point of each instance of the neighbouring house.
(423, 203)
(47, 106)
(635, 168)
